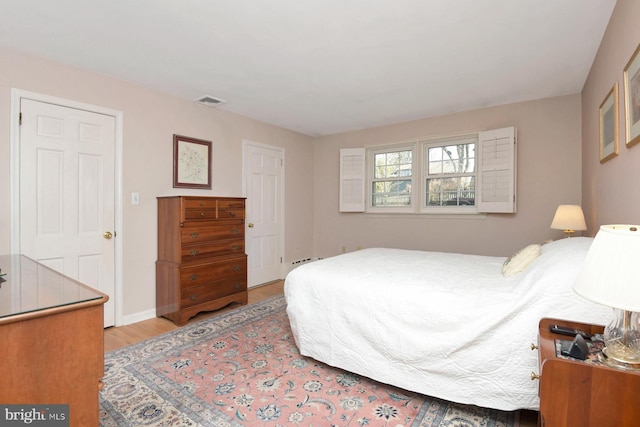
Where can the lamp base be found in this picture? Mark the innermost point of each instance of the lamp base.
(611, 361)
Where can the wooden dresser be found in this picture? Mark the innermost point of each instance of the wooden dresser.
(201, 262)
(52, 341)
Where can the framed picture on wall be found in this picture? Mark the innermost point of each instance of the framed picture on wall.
(191, 163)
(609, 125)
(632, 98)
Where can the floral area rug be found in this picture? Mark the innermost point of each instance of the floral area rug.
(242, 368)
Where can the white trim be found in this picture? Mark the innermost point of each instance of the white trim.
(290, 266)
(281, 150)
(138, 317)
(16, 96)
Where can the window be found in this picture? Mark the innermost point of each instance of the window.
(392, 178)
(450, 176)
(466, 174)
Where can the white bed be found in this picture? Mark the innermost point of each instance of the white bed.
(445, 325)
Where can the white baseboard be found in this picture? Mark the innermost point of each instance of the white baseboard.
(138, 317)
(294, 264)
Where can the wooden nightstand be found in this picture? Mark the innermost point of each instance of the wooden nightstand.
(577, 393)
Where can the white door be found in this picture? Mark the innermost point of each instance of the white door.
(67, 179)
(263, 180)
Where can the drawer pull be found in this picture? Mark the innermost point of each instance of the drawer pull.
(534, 376)
(237, 286)
(194, 252)
(533, 346)
(234, 231)
(201, 214)
(193, 277)
(232, 214)
(202, 204)
(193, 297)
(195, 235)
(235, 247)
(235, 268)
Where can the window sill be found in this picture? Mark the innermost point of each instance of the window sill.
(434, 215)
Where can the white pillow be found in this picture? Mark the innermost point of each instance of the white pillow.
(520, 260)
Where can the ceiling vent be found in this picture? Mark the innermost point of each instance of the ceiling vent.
(211, 101)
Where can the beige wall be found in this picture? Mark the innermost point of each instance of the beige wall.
(150, 120)
(548, 175)
(611, 193)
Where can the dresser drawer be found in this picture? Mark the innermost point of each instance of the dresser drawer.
(234, 213)
(231, 208)
(212, 249)
(199, 203)
(207, 273)
(230, 203)
(205, 233)
(200, 294)
(193, 214)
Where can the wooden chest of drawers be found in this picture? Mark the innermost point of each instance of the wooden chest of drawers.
(201, 262)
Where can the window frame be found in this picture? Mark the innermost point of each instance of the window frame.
(425, 145)
(370, 161)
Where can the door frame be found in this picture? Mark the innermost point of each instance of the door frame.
(17, 95)
(245, 169)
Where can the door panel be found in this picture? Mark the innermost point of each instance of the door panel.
(67, 190)
(264, 213)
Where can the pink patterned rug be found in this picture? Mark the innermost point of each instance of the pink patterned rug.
(242, 368)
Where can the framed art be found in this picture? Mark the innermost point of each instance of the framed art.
(632, 98)
(609, 125)
(191, 163)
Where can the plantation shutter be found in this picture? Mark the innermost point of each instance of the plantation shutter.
(497, 171)
(352, 179)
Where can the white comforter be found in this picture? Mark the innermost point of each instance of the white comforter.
(441, 324)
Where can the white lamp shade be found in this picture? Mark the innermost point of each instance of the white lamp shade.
(610, 274)
(569, 217)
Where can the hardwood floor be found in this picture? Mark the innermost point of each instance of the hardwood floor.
(121, 336)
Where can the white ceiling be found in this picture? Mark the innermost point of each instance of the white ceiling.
(323, 66)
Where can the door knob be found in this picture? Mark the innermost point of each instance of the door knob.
(107, 235)
(250, 225)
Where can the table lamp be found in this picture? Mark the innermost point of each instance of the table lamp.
(609, 276)
(569, 218)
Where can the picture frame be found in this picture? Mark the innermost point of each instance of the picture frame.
(191, 163)
(632, 98)
(608, 113)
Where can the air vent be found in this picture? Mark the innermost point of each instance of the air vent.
(211, 101)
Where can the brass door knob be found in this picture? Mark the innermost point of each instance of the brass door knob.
(107, 235)
(250, 225)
